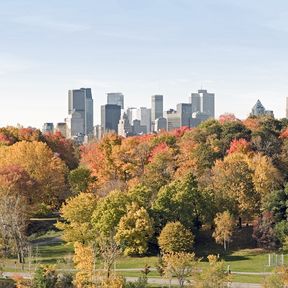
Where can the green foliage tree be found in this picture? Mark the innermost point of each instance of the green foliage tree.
(180, 201)
(45, 277)
(80, 179)
(175, 238)
(134, 230)
(108, 213)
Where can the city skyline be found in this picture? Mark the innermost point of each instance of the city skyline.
(141, 49)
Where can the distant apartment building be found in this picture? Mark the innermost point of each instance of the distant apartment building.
(110, 116)
(48, 128)
(116, 99)
(80, 101)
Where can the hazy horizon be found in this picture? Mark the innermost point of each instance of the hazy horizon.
(234, 49)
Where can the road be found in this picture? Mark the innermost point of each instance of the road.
(159, 281)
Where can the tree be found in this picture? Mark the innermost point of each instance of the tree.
(45, 277)
(180, 265)
(16, 195)
(224, 223)
(180, 201)
(108, 213)
(42, 165)
(65, 148)
(214, 276)
(77, 214)
(175, 238)
(263, 231)
(279, 278)
(233, 185)
(84, 259)
(134, 230)
(80, 179)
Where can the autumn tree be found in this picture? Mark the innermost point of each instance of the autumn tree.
(77, 213)
(233, 185)
(179, 265)
(65, 148)
(264, 231)
(214, 276)
(224, 226)
(42, 165)
(175, 238)
(134, 230)
(84, 260)
(15, 210)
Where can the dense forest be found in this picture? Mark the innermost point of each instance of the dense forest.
(149, 193)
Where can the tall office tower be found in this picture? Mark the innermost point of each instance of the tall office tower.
(116, 99)
(48, 128)
(185, 113)
(207, 103)
(195, 100)
(110, 116)
(286, 107)
(173, 120)
(156, 107)
(81, 101)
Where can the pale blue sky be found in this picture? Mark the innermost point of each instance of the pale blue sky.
(237, 49)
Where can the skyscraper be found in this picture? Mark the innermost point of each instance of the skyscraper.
(185, 113)
(195, 100)
(110, 116)
(81, 101)
(156, 108)
(286, 107)
(207, 103)
(48, 128)
(116, 99)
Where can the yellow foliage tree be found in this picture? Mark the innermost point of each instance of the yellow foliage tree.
(214, 276)
(134, 230)
(77, 213)
(180, 265)
(84, 263)
(224, 223)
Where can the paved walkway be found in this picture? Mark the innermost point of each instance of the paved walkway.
(159, 281)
